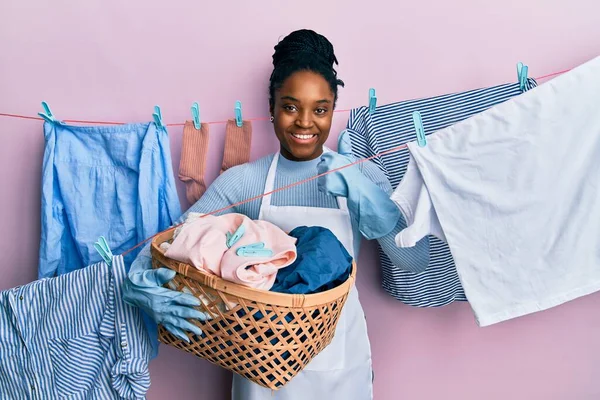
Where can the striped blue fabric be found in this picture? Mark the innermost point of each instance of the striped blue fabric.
(72, 337)
(390, 126)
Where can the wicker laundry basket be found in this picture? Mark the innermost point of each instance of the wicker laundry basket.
(267, 337)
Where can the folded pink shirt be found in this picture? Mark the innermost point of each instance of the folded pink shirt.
(203, 244)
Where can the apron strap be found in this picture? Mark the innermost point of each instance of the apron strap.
(269, 183)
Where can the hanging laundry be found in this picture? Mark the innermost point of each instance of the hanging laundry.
(238, 142)
(427, 277)
(235, 248)
(322, 264)
(194, 147)
(73, 337)
(515, 192)
(115, 181)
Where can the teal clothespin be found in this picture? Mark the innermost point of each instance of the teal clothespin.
(256, 250)
(372, 101)
(196, 115)
(522, 72)
(47, 114)
(237, 235)
(418, 121)
(238, 114)
(157, 115)
(102, 248)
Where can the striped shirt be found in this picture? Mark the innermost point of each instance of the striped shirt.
(391, 126)
(73, 337)
(248, 180)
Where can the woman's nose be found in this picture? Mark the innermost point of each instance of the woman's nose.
(304, 120)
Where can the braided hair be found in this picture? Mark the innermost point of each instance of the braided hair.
(303, 50)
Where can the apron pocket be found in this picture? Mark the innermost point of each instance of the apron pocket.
(76, 363)
(333, 356)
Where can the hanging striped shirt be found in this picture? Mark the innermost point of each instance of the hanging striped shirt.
(390, 126)
(73, 337)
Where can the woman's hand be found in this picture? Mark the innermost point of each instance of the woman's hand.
(376, 213)
(170, 308)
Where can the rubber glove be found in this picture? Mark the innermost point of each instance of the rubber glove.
(376, 213)
(170, 308)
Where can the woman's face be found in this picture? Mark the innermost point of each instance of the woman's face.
(303, 110)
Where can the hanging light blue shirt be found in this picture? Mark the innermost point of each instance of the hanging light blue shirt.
(115, 181)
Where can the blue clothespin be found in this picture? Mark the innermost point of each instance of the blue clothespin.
(237, 235)
(372, 101)
(238, 114)
(418, 121)
(47, 114)
(196, 115)
(522, 72)
(157, 115)
(102, 248)
(256, 250)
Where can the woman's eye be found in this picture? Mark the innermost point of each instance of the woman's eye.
(321, 111)
(290, 108)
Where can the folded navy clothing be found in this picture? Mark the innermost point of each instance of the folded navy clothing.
(322, 263)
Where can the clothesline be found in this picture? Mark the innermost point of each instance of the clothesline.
(359, 161)
(76, 121)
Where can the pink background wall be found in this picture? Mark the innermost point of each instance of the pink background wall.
(113, 60)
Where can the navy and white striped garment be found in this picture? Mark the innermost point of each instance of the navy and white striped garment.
(390, 126)
(73, 337)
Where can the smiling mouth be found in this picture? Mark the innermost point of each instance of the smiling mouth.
(303, 137)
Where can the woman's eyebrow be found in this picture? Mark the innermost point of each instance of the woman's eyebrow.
(290, 98)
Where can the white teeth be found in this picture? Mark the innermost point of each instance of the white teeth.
(304, 137)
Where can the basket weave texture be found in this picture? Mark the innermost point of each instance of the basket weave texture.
(266, 337)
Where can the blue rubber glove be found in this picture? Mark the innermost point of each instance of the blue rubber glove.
(376, 213)
(167, 307)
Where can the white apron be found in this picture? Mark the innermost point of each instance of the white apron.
(342, 371)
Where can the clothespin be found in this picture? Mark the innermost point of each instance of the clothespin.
(418, 121)
(47, 114)
(157, 115)
(102, 248)
(522, 71)
(237, 235)
(238, 114)
(196, 115)
(255, 249)
(372, 101)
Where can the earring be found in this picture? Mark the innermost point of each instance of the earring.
(272, 118)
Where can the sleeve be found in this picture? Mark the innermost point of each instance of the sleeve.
(414, 259)
(130, 376)
(52, 212)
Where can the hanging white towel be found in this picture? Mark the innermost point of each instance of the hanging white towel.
(515, 192)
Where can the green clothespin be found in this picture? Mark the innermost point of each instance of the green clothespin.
(372, 101)
(418, 123)
(157, 115)
(522, 72)
(102, 248)
(238, 114)
(232, 239)
(47, 114)
(196, 115)
(255, 249)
